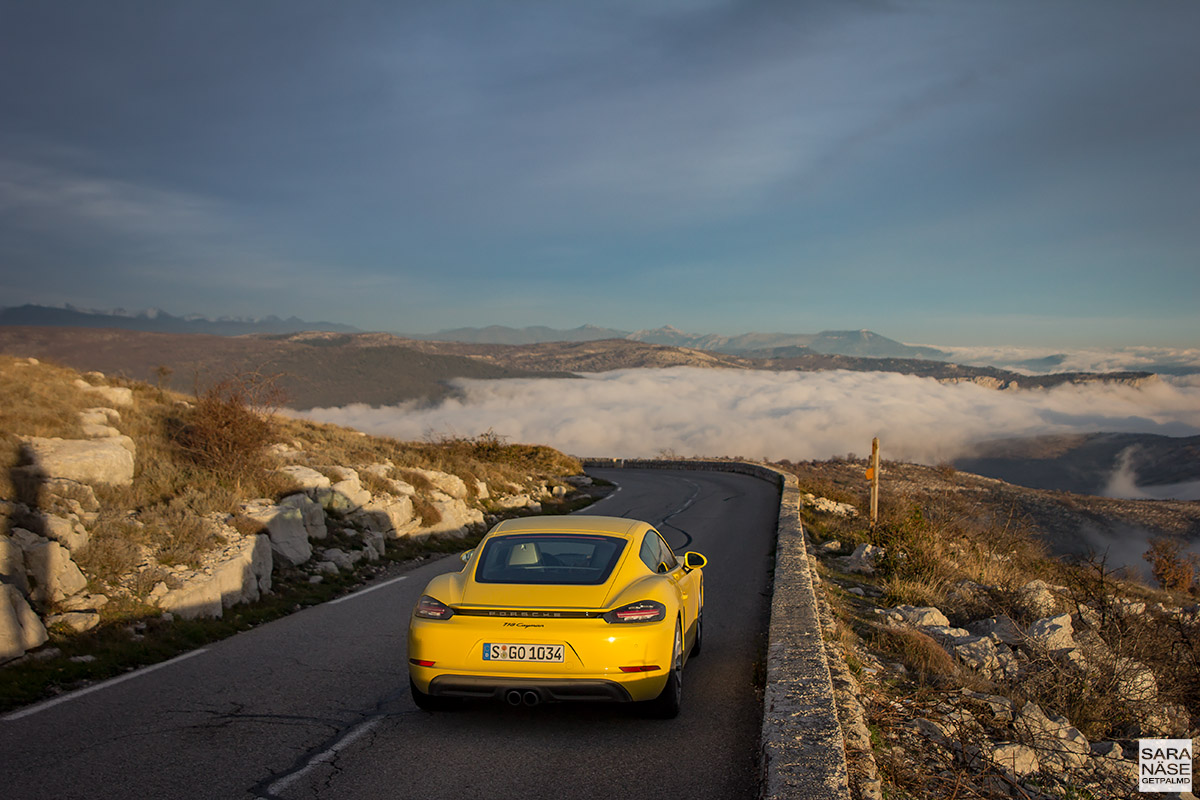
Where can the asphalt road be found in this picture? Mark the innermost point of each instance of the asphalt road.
(317, 704)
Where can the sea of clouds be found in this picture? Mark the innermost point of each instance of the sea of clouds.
(775, 415)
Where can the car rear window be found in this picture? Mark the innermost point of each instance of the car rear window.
(549, 558)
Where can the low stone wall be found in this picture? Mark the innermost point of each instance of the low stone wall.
(803, 752)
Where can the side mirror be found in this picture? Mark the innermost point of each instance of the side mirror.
(465, 557)
(693, 560)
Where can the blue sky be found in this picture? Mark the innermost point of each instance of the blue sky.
(952, 172)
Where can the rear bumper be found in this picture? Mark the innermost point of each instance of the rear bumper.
(547, 690)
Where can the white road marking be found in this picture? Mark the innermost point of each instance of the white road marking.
(360, 593)
(33, 709)
(324, 757)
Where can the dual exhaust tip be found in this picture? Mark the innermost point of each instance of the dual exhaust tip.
(515, 697)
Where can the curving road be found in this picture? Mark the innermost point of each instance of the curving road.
(317, 705)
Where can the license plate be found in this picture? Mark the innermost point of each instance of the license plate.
(551, 653)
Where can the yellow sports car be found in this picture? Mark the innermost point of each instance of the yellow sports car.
(560, 608)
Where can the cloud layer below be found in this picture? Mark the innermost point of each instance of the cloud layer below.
(797, 416)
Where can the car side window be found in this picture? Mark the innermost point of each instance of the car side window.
(649, 552)
(667, 555)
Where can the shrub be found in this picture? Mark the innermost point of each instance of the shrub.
(230, 427)
(1173, 571)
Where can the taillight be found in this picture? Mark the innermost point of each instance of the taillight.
(643, 611)
(429, 608)
(642, 668)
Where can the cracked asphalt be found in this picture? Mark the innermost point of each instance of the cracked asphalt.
(317, 705)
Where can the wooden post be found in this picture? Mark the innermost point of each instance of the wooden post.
(873, 474)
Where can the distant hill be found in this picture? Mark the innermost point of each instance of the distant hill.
(537, 334)
(328, 368)
(849, 343)
(1087, 463)
(157, 321)
(317, 370)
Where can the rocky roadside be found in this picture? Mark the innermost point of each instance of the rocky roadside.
(988, 719)
(337, 522)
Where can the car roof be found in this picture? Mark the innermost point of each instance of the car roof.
(574, 523)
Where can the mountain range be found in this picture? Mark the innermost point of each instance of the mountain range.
(156, 321)
(862, 343)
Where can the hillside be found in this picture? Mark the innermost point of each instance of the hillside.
(321, 369)
(316, 369)
(967, 663)
(124, 507)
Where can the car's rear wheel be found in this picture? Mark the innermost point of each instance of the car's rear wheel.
(668, 703)
(429, 702)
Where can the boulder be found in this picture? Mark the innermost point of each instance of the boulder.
(311, 512)
(240, 575)
(922, 616)
(826, 506)
(456, 515)
(113, 395)
(20, 628)
(308, 479)
(512, 502)
(1053, 633)
(481, 490)
(77, 621)
(1037, 599)
(1018, 760)
(54, 576)
(68, 532)
(284, 524)
(12, 564)
(341, 558)
(1059, 744)
(96, 461)
(387, 515)
(863, 559)
(1135, 681)
(832, 546)
(1000, 629)
(444, 482)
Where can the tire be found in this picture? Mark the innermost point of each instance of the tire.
(699, 640)
(429, 702)
(668, 703)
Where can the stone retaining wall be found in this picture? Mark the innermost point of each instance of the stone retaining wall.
(803, 753)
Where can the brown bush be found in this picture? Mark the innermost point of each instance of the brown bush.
(230, 427)
(1173, 571)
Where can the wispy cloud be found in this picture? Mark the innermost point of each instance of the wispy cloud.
(688, 411)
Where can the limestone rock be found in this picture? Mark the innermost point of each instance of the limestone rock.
(456, 515)
(107, 461)
(12, 564)
(1037, 599)
(827, 506)
(1053, 633)
(444, 482)
(1001, 629)
(387, 515)
(20, 628)
(284, 524)
(77, 621)
(66, 531)
(54, 575)
(1018, 760)
(863, 559)
(513, 501)
(307, 478)
(922, 616)
(241, 575)
(1059, 744)
(1135, 681)
(113, 395)
(311, 512)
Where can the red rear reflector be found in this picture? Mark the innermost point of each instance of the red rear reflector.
(641, 668)
(420, 663)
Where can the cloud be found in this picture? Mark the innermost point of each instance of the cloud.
(778, 415)
(1094, 359)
